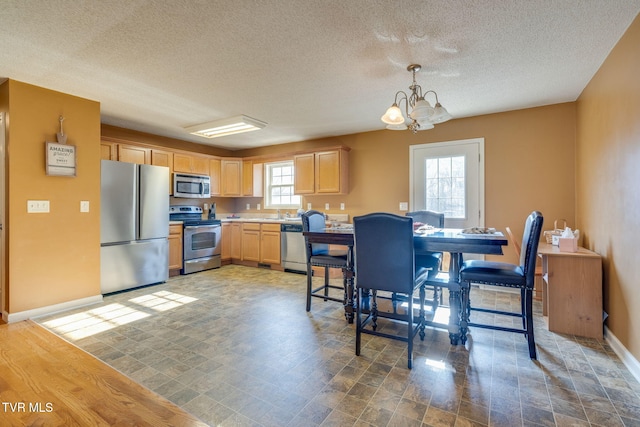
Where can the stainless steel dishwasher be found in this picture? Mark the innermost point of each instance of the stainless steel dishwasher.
(293, 253)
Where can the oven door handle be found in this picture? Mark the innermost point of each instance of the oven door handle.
(200, 226)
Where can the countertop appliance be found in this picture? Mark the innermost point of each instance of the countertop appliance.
(293, 253)
(134, 228)
(200, 239)
(191, 186)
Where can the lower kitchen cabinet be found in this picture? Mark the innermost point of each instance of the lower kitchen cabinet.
(270, 244)
(225, 242)
(175, 248)
(236, 240)
(261, 243)
(251, 241)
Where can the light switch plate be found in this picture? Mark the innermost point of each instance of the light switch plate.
(326, 206)
(37, 206)
(84, 206)
(308, 206)
(341, 206)
(404, 206)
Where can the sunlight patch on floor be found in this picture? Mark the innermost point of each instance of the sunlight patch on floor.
(90, 322)
(162, 301)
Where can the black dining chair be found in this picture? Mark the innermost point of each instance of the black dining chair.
(384, 264)
(521, 276)
(319, 255)
(430, 260)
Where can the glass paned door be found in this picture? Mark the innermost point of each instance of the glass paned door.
(448, 177)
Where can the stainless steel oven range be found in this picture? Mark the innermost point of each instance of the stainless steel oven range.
(201, 239)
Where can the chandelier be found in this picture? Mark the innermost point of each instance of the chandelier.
(422, 116)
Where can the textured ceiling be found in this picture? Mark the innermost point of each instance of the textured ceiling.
(308, 68)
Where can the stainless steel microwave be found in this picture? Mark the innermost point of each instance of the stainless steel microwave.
(191, 186)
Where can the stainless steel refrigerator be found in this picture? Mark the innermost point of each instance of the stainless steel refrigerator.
(134, 225)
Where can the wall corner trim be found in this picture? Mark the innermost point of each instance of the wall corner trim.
(51, 309)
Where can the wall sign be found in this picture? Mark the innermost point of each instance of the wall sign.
(61, 159)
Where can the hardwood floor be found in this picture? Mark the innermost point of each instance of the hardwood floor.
(47, 381)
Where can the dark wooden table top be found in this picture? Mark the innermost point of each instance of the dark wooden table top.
(436, 240)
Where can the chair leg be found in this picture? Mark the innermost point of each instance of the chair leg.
(523, 307)
(309, 285)
(465, 310)
(410, 333)
(529, 320)
(422, 312)
(358, 320)
(326, 282)
(374, 308)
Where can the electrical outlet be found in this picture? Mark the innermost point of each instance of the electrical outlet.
(404, 206)
(341, 206)
(326, 206)
(308, 206)
(248, 206)
(84, 206)
(258, 206)
(37, 206)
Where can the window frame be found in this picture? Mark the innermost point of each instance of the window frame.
(268, 169)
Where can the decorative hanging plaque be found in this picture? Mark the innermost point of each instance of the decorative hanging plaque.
(61, 159)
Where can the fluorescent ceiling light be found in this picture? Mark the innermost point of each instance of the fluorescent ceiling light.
(224, 127)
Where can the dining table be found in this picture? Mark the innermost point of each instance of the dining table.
(452, 240)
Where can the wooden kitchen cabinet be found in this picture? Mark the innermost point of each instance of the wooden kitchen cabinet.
(231, 177)
(332, 172)
(236, 240)
(134, 154)
(270, 243)
(215, 170)
(108, 151)
(187, 163)
(304, 173)
(261, 243)
(251, 241)
(252, 179)
(322, 172)
(572, 291)
(164, 158)
(175, 248)
(225, 242)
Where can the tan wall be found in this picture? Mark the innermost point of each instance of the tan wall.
(52, 257)
(529, 164)
(608, 174)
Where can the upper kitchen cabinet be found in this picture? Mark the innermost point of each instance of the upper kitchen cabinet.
(231, 177)
(252, 176)
(164, 158)
(133, 154)
(215, 172)
(108, 151)
(322, 172)
(187, 163)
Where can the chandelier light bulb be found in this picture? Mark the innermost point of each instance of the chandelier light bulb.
(423, 116)
(393, 116)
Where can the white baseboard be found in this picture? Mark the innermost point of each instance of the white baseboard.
(50, 309)
(627, 358)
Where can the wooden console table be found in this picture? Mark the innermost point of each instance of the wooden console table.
(572, 291)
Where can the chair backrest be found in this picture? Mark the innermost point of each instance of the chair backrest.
(435, 219)
(384, 254)
(314, 221)
(531, 236)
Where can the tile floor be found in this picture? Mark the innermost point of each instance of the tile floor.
(234, 346)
